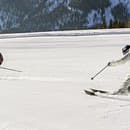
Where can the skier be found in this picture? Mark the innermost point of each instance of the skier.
(125, 89)
(1, 58)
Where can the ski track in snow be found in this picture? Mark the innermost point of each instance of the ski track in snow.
(44, 79)
(57, 67)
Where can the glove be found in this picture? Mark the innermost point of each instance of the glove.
(125, 49)
(109, 64)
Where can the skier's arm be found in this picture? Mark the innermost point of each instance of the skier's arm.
(121, 61)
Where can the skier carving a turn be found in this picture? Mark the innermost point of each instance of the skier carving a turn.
(125, 89)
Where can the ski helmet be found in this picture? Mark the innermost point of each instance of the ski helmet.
(125, 49)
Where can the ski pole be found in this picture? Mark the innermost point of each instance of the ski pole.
(10, 69)
(99, 72)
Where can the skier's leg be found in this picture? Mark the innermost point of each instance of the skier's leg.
(125, 88)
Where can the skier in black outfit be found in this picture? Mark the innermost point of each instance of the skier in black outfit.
(125, 89)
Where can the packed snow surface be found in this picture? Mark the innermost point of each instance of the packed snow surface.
(48, 94)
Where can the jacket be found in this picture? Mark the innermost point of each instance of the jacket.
(121, 61)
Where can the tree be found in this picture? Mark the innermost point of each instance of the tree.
(104, 25)
(111, 24)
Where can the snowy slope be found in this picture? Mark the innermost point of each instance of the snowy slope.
(49, 95)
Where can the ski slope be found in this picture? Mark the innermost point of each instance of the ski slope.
(48, 94)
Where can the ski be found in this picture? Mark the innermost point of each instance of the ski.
(100, 91)
(91, 93)
(106, 95)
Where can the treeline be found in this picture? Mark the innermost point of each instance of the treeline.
(113, 24)
(119, 24)
(87, 5)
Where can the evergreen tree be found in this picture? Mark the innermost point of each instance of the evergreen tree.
(111, 24)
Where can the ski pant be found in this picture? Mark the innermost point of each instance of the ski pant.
(125, 89)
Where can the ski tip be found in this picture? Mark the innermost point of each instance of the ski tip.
(89, 93)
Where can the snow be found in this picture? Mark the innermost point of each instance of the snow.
(108, 15)
(116, 2)
(93, 18)
(126, 3)
(57, 67)
(6, 17)
(51, 4)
